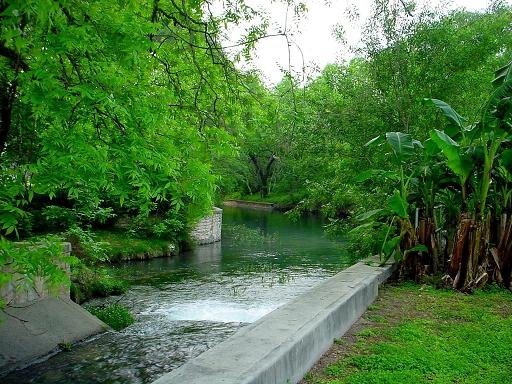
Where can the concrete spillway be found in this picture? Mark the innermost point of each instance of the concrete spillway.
(282, 346)
(35, 329)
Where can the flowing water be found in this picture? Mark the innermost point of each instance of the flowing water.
(187, 304)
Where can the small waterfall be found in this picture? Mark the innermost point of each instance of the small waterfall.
(214, 310)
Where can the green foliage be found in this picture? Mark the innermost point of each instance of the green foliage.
(123, 246)
(458, 162)
(315, 132)
(398, 205)
(170, 228)
(117, 316)
(365, 239)
(449, 112)
(85, 246)
(107, 285)
(401, 144)
(12, 201)
(115, 108)
(57, 218)
(90, 283)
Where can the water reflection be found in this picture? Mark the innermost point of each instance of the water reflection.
(206, 258)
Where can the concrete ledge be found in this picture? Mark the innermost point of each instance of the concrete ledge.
(282, 346)
(35, 329)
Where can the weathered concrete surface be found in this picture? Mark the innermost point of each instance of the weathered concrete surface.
(21, 290)
(35, 329)
(208, 230)
(35, 322)
(281, 347)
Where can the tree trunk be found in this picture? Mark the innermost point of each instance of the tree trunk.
(7, 95)
(469, 261)
(425, 234)
(503, 253)
(263, 174)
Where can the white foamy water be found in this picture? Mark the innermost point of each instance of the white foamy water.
(214, 310)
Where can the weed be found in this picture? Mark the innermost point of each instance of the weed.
(377, 319)
(117, 316)
(65, 346)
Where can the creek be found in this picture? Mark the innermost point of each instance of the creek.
(187, 304)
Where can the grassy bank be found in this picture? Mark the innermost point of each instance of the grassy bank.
(281, 201)
(98, 250)
(415, 334)
(122, 247)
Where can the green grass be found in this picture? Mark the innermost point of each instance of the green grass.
(96, 250)
(122, 247)
(88, 283)
(432, 336)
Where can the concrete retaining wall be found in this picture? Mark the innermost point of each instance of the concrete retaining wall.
(282, 346)
(19, 291)
(37, 320)
(36, 329)
(208, 230)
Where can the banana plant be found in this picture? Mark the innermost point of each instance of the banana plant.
(404, 150)
(487, 136)
(459, 162)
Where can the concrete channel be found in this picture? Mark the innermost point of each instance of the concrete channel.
(280, 347)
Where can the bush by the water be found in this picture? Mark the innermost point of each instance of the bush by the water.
(116, 315)
(88, 283)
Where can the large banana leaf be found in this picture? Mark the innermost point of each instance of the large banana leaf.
(398, 205)
(506, 159)
(390, 246)
(503, 75)
(449, 112)
(374, 140)
(370, 214)
(459, 163)
(402, 145)
(497, 113)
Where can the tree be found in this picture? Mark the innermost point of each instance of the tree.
(117, 102)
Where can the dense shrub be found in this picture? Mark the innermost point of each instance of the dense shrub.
(86, 247)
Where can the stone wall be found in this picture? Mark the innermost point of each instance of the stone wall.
(208, 230)
(20, 291)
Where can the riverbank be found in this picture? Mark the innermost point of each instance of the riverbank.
(262, 206)
(99, 251)
(416, 334)
(275, 202)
